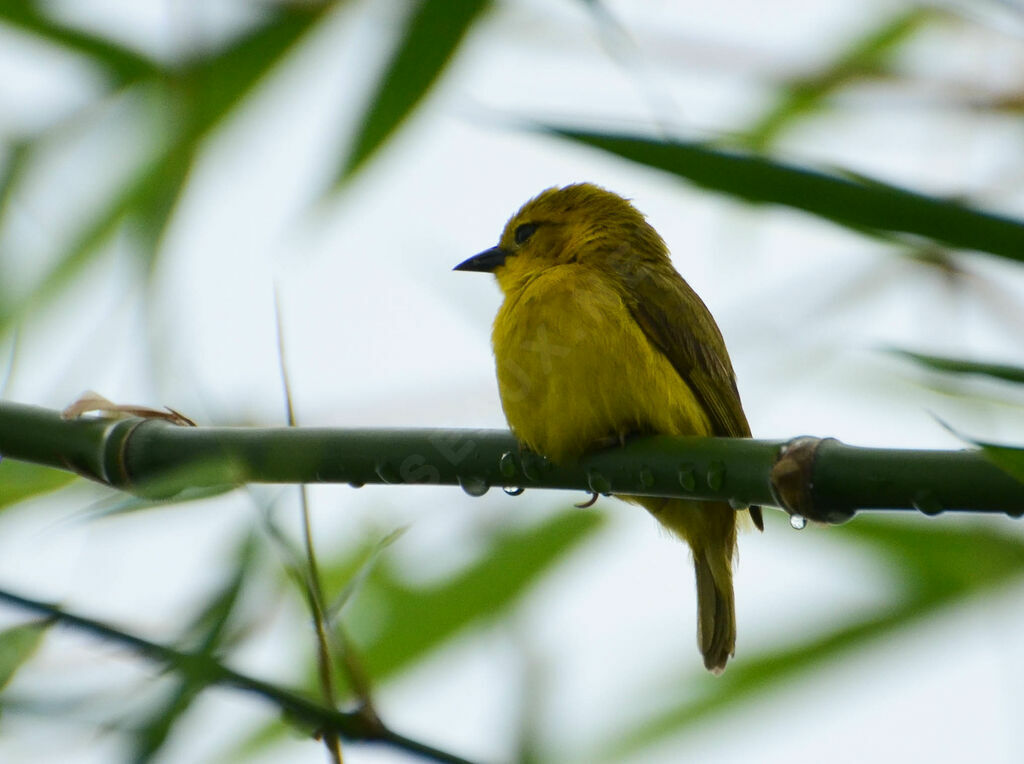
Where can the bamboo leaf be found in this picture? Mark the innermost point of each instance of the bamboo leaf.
(1004, 372)
(120, 504)
(864, 57)
(87, 246)
(123, 63)
(1007, 458)
(857, 203)
(366, 561)
(201, 94)
(17, 645)
(429, 42)
(396, 623)
(208, 629)
(215, 84)
(22, 480)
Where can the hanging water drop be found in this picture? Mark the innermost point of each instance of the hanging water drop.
(474, 486)
(798, 522)
(356, 483)
(513, 490)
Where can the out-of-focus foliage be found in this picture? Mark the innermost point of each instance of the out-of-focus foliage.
(21, 480)
(387, 624)
(17, 645)
(858, 203)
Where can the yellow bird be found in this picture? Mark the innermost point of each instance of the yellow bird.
(599, 338)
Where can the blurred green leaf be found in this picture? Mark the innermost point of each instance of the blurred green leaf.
(433, 34)
(13, 167)
(855, 203)
(124, 64)
(395, 623)
(368, 559)
(214, 84)
(934, 565)
(124, 504)
(247, 747)
(204, 93)
(17, 645)
(204, 635)
(197, 99)
(865, 57)
(22, 480)
(1007, 458)
(940, 560)
(87, 246)
(952, 365)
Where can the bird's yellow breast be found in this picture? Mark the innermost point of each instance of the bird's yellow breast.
(574, 368)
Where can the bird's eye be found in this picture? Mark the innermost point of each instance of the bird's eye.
(524, 232)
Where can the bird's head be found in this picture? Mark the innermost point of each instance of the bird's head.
(581, 223)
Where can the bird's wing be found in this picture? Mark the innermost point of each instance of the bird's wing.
(677, 322)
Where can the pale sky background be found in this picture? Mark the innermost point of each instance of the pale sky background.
(380, 332)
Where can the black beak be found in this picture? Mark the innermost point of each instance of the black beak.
(485, 262)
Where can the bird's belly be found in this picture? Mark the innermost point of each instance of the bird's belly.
(574, 369)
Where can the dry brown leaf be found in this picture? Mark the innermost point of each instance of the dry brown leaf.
(90, 401)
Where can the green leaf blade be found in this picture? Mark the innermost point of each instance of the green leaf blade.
(22, 480)
(419, 619)
(852, 202)
(951, 365)
(866, 56)
(431, 39)
(17, 645)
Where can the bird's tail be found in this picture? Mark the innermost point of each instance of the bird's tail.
(716, 608)
(710, 530)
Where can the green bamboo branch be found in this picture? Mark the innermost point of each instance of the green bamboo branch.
(201, 666)
(820, 479)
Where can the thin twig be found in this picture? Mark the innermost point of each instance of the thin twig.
(314, 589)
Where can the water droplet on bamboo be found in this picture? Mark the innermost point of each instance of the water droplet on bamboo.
(531, 465)
(925, 502)
(598, 483)
(356, 483)
(387, 472)
(513, 490)
(687, 477)
(474, 486)
(507, 464)
(646, 477)
(716, 475)
(798, 522)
